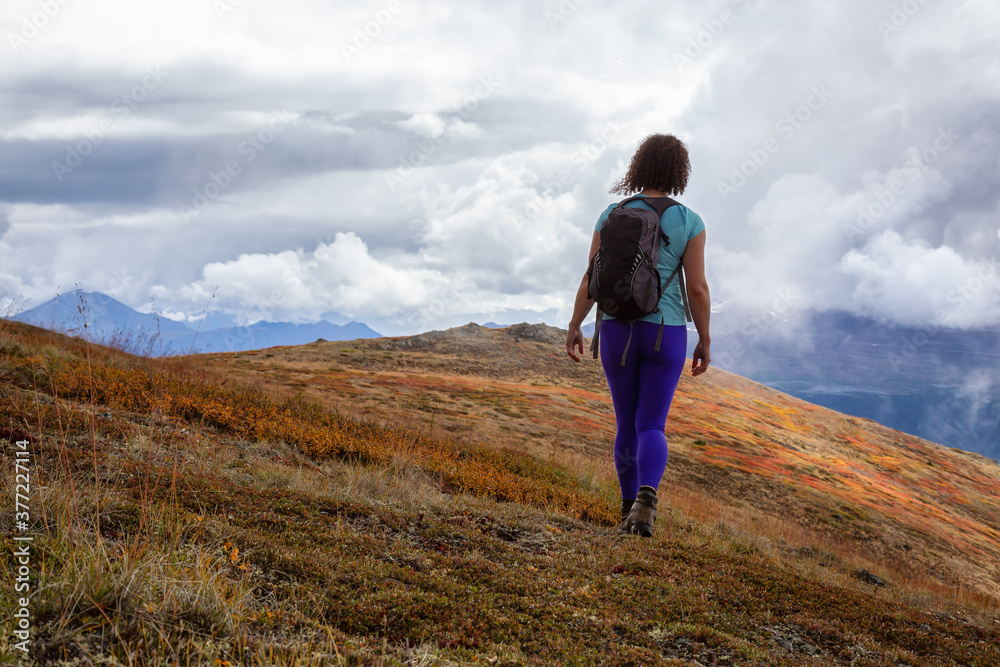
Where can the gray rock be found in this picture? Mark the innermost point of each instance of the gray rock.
(869, 578)
(538, 333)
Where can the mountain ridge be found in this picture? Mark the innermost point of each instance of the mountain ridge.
(934, 384)
(147, 333)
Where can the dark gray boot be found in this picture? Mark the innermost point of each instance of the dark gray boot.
(643, 513)
(626, 508)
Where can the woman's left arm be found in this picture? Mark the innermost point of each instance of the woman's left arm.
(700, 300)
(581, 307)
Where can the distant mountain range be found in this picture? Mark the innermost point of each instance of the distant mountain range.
(110, 321)
(942, 385)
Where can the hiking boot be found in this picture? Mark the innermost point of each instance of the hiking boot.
(643, 513)
(626, 508)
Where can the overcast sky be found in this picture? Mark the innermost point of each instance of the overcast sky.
(420, 165)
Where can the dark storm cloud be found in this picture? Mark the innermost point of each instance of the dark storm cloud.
(161, 171)
(102, 164)
(431, 154)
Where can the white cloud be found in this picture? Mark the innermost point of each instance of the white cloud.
(426, 124)
(296, 285)
(483, 224)
(842, 251)
(913, 283)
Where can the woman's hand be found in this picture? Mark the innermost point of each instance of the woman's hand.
(574, 339)
(581, 306)
(701, 358)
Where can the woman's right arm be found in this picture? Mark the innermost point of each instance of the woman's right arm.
(581, 306)
(699, 300)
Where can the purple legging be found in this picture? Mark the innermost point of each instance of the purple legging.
(642, 391)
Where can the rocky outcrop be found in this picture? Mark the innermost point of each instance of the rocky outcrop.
(473, 337)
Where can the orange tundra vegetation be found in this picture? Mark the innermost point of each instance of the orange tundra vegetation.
(755, 455)
(440, 500)
(247, 412)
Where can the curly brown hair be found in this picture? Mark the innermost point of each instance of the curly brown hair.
(660, 163)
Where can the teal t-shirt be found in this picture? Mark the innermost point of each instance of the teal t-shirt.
(681, 224)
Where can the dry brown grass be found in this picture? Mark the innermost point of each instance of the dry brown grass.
(183, 534)
(915, 511)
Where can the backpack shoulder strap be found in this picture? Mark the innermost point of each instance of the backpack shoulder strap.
(659, 204)
(594, 345)
(684, 295)
(679, 272)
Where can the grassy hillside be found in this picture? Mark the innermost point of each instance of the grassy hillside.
(740, 452)
(297, 509)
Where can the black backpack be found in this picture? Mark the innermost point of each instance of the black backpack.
(623, 276)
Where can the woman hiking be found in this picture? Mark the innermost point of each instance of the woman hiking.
(643, 360)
